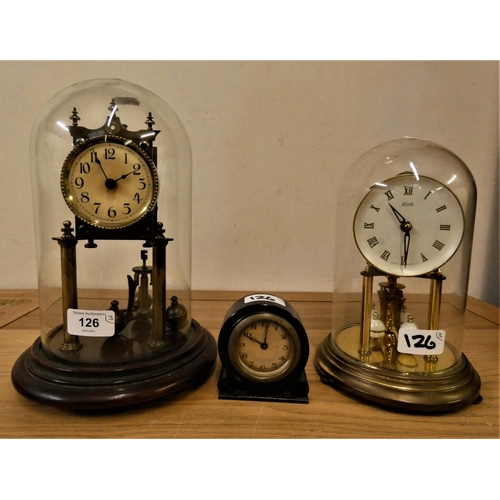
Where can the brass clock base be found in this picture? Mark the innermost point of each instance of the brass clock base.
(42, 377)
(440, 392)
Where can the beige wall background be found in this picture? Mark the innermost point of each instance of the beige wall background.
(270, 141)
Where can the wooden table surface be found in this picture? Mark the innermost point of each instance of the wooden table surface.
(198, 413)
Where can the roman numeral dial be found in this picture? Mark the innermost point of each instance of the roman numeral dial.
(416, 228)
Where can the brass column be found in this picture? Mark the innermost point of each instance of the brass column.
(68, 243)
(364, 351)
(141, 279)
(435, 293)
(159, 280)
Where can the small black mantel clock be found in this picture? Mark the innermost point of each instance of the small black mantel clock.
(109, 339)
(263, 348)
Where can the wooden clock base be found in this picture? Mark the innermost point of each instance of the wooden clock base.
(44, 378)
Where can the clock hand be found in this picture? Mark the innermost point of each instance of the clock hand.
(263, 345)
(406, 245)
(405, 226)
(109, 183)
(253, 339)
(99, 163)
(124, 176)
(400, 218)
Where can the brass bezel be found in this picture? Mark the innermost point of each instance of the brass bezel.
(419, 273)
(254, 375)
(84, 145)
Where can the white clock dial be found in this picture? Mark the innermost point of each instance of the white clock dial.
(408, 227)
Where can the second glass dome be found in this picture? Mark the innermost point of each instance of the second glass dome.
(404, 228)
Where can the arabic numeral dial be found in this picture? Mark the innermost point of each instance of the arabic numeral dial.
(109, 182)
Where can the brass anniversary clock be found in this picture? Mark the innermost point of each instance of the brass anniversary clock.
(404, 231)
(263, 348)
(111, 171)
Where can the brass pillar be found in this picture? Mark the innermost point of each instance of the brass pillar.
(68, 243)
(435, 294)
(159, 280)
(364, 351)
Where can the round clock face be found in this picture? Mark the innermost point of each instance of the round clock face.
(264, 348)
(109, 182)
(408, 227)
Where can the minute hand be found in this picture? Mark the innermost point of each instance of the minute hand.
(405, 226)
(99, 163)
(406, 245)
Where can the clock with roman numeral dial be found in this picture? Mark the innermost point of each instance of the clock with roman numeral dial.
(109, 182)
(401, 270)
(408, 225)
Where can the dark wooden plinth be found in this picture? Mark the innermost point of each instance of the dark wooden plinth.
(41, 377)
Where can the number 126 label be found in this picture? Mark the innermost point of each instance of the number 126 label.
(413, 341)
(91, 323)
(265, 298)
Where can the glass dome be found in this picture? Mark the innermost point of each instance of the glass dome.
(111, 178)
(404, 229)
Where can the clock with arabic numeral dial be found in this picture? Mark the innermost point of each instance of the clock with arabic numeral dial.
(109, 182)
(263, 348)
(114, 331)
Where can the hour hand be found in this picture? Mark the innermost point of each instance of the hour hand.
(263, 345)
(400, 218)
(124, 176)
(253, 339)
(405, 225)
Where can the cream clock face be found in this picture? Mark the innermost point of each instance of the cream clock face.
(109, 182)
(264, 348)
(408, 227)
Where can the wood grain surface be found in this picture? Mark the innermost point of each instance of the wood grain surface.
(198, 413)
